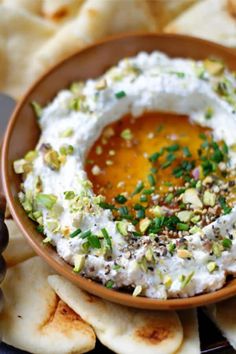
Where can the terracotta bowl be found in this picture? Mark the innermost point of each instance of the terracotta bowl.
(23, 132)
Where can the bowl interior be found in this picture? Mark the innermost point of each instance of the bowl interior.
(23, 132)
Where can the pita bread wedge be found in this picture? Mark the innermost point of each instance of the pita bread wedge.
(209, 19)
(191, 342)
(33, 7)
(60, 10)
(18, 249)
(34, 319)
(165, 11)
(21, 34)
(224, 315)
(122, 329)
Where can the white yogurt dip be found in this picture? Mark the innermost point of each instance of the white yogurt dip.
(57, 194)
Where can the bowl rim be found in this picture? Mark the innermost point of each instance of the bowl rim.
(84, 283)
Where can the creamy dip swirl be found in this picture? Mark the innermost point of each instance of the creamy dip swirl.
(73, 121)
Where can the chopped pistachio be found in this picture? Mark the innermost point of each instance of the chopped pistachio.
(126, 134)
(76, 87)
(217, 249)
(157, 211)
(194, 230)
(149, 255)
(191, 196)
(69, 195)
(214, 67)
(37, 214)
(79, 261)
(185, 215)
(209, 113)
(211, 266)
(67, 133)
(66, 150)
(27, 205)
(209, 198)
(18, 166)
(53, 225)
(31, 155)
(101, 84)
(195, 219)
(51, 159)
(98, 199)
(138, 290)
(144, 224)
(182, 253)
(233, 147)
(47, 240)
(46, 200)
(37, 109)
(142, 263)
(186, 279)
(122, 227)
(167, 281)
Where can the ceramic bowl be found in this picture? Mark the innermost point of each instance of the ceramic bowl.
(23, 132)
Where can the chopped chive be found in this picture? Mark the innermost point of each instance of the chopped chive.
(85, 234)
(225, 148)
(94, 241)
(147, 191)
(140, 214)
(226, 243)
(143, 198)
(138, 188)
(120, 94)
(202, 136)
(110, 284)
(104, 205)
(120, 199)
(186, 152)
(107, 238)
(153, 170)
(172, 148)
(75, 233)
(169, 198)
(182, 227)
(154, 157)
(40, 229)
(116, 267)
(124, 213)
(168, 184)
(151, 180)
(224, 206)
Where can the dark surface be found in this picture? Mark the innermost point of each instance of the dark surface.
(212, 341)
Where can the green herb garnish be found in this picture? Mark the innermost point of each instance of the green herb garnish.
(120, 94)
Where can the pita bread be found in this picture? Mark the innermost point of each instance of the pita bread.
(18, 249)
(34, 35)
(122, 329)
(224, 315)
(165, 11)
(34, 319)
(60, 10)
(209, 19)
(191, 342)
(33, 7)
(21, 34)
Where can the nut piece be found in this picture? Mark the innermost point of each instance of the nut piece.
(184, 253)
(191, 196)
